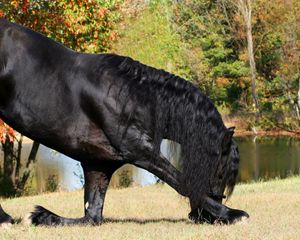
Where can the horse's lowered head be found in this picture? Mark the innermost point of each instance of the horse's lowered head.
(221, 185)
(224, 179)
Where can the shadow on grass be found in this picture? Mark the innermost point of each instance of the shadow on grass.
(147, 221)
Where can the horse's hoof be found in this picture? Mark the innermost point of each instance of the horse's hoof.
(5, 225)
(194, 217)
(200, 217)
(243, 220)
(233, 216)
(238, 215)
(27, 220)
(5, 219)
(42, 216)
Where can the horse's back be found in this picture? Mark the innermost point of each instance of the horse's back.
(46, 83)
(86, 103)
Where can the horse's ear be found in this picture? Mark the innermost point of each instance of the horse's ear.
(227, 138)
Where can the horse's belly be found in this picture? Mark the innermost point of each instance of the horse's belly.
(75, 136)
(96, 146)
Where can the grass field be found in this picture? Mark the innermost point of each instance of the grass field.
(158, 212)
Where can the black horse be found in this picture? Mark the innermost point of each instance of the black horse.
(107, 110)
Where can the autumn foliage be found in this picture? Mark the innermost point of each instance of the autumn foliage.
(83, 25)
(6, 132)
(217, 34)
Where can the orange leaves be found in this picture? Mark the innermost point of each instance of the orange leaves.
(113, 36)
(222, 81)
(6, 131)
(83, 25)
(25, 5)
(102, 13)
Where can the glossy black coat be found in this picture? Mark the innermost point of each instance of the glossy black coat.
(106, 110)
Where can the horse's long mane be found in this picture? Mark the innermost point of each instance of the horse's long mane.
(182, 114)
(180, 111)
(116, 111)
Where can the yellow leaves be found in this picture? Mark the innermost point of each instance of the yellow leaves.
(222, 81)
(15, 3)
(244, 56)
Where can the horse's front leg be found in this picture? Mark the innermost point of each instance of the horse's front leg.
(163, 169)
(214, 211)
(96, 183)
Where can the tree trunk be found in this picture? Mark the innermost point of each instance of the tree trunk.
(246, 10)
(252, 67)
(29, 166)
(18, 159)
(291, 57)
(12, 183)
(8, 168)
(33, 153)
(299, 94)
(298, 100)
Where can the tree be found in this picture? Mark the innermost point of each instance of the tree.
(231, 36)
(83, 25)
(207, 27)
(289, 70)
(14, 175)
(245, 8)
(277, 40)
(7, 136)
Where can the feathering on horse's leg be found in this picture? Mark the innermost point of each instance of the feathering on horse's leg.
(214, 211)
(5, 218)
(96, 183)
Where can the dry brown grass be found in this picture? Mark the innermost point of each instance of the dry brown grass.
(158, 212)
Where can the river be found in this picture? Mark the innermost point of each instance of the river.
(262, 157)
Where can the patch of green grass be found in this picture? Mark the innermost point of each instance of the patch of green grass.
(158, 212)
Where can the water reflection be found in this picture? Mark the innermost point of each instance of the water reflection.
(138, 176)
(68, 171)
(262, 157)
(265, 157)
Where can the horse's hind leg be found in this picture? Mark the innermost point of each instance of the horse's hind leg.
(4, 217)
(96, 182)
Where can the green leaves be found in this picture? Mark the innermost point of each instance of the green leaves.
(235, 69)
(215, 32)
